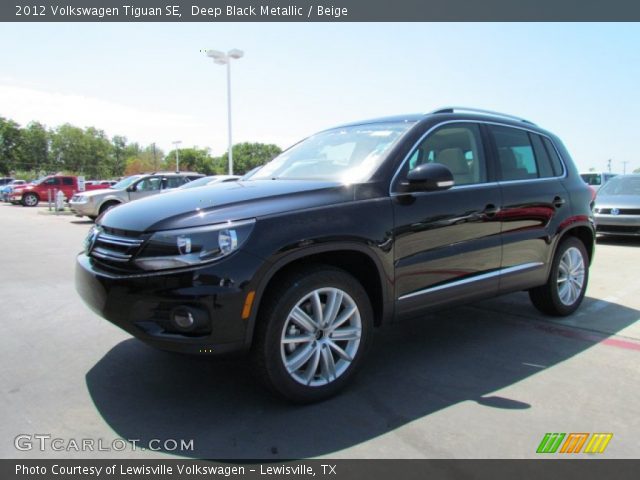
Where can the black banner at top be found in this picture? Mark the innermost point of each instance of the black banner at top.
(318, 10)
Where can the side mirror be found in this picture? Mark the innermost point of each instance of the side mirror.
(429, 177)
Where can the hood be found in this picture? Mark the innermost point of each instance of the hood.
(224, 202)
(618, 201)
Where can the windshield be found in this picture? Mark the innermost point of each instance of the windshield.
(348, 154)
(622, 185)
(125, 182)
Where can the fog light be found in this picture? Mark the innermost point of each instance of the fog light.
(183, 319)
(189, 320)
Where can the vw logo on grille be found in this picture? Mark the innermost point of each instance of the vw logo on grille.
(90, 241)
(615, 211)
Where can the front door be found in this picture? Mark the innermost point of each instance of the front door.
(145, 187)
(447, 243)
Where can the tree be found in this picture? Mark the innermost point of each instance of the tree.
(34, 147)
(247, 156)
(191, 159)
(98, 158)
(9, 145)
(118, 155)
(68, 149)
(137, 165)
(143, 161)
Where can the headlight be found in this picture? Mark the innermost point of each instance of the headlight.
(193, 246)
(80, 199)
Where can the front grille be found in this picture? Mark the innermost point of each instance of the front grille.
(622, 211)
(117, 251)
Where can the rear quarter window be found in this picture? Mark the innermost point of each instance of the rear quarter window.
(556, 163)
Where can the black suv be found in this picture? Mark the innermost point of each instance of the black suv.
(354, 227)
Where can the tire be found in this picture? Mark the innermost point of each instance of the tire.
(325, 359)
(92, 218)
(106, 206)
(30, 200)
(567, 283)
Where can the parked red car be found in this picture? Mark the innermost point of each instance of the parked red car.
(32, 194)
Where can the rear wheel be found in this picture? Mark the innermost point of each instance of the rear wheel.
(567, 284)
(312, 334)
(30, 200)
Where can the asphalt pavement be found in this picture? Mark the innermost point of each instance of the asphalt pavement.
(486, 380)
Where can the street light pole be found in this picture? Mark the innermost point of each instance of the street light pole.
(222, 58)
(624, 166)
(229, 117)
(177, 149)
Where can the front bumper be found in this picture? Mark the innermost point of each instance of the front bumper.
(628, 225)
(142, 304)
(87, 209)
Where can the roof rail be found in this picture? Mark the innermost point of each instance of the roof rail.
(479, 110)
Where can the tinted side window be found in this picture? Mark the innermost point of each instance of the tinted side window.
(67, 181)
(52, 181)
(544, 163)
(553, 155)
(515, 153)
(457, 146)
(174, 182)
(148, 184)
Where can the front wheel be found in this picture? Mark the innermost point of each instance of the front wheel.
(567, 283)
(30, 200)
(312, 334)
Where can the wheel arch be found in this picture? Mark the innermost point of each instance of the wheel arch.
(24, 194)
(108, 201)
(352, 258)
(583, 233)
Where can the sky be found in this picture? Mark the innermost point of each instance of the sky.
(151, 83)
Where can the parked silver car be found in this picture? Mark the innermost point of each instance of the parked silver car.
(617, 209)
(93, 203)
(210, 180)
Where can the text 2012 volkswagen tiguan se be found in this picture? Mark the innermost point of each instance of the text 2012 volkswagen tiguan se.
(351, 228)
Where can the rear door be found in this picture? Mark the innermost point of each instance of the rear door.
(534, 203)
(447, 243)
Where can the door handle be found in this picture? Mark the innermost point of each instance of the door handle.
(490, 210)
(558, 202)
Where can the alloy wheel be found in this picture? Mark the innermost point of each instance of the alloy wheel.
(30, 200)
(321, 336)
(570, 276)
